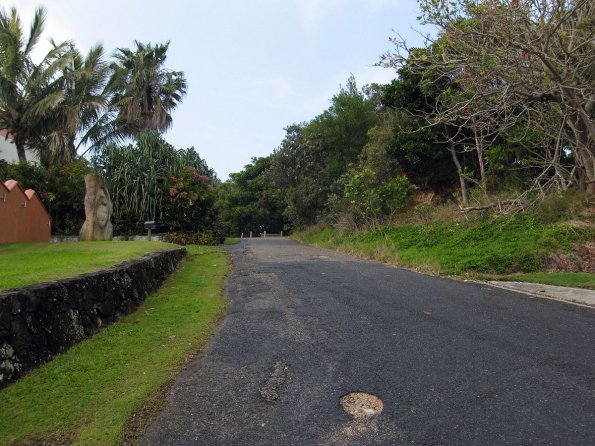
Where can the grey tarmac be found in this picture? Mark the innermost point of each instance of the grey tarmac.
(452, 363)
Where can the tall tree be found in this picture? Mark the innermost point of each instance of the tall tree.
(249, 202)
(78, 119)
(29, 92)
(313, 156)
(419, 148)
(344, 126)
(512, 57)
(144, 92)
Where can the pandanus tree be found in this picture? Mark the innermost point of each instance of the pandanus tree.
(29, 92)
(143, 91)
(144, 179)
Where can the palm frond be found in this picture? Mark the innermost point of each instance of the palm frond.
(37, 27)
(43, 106)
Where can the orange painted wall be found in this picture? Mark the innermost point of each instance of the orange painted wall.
(23, 218)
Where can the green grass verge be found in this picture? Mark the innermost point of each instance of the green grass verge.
(29, 263)
(231, 241)
(574, 280)
(88, 393)
(502, 245)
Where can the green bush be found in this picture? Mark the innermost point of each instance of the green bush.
(561, 206)
(61, 189)
(208, 237)
(368, 198)
(189, 201)
(152, 180)
(423, 212)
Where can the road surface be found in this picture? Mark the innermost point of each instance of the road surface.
(453, 363)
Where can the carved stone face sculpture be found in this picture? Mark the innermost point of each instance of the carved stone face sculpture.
(103, 207)
(98, 211)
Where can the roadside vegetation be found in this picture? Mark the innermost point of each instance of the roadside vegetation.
(493, 113)
(476, 159)
(82, 113)
(104, 389)
(28, 263)
(485, 247)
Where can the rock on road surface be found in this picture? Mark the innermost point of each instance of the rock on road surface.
(453, 363)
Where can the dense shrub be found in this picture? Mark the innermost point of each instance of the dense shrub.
(189, 201)
(208, 237)
(249, 201)
(61, 188)
(561, 205)
(368, 198)
(152, 180)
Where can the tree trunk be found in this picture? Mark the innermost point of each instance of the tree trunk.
(21, 150)
(464, 192)
(482, 169)
(586, 165)
(584, 155)
(478, 136)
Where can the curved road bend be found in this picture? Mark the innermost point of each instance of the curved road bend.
(454, 363)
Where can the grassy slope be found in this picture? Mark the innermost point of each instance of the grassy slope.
(90, 392)
(25, 264)
(496, 246)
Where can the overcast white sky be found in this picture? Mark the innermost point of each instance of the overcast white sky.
(253, 67)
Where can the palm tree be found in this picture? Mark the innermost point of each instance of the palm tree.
(144, 92)
(80, 117)
(29, 92)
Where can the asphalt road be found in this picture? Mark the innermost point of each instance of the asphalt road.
(453, 363)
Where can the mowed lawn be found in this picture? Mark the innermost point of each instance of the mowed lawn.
(105, 390)
(29, 263)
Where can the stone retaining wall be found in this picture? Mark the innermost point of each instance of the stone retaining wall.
(39, 321)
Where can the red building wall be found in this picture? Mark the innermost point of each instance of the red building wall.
(23, 218)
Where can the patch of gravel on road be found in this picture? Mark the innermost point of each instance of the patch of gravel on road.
(361, 405)
(270, 391)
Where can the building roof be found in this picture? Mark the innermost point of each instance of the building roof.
(30, 194)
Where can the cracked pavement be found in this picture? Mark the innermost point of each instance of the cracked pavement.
(452, 362)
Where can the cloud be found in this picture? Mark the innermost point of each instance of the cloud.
(57, 27)
(374, 6)
(281, 88)
(278, 86)
(302, 107)
(370, 75)
(313, 12)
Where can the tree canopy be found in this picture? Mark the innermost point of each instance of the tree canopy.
(67, 101)
(516, 64)
(143, 91)
(29, 92)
